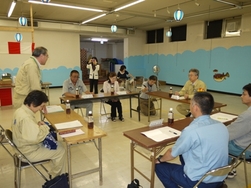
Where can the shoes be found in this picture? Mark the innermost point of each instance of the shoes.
(122, 119)
(113, 119)
(232, 174)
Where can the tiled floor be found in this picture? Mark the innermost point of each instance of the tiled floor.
(116, 148)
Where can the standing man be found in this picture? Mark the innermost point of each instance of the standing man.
(202, 146)
(29, 76)
(240, 129)
(189, 89)
(28, 133)
(148, 86)
(69, 90)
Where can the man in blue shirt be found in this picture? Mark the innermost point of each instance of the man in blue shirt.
(202, 146)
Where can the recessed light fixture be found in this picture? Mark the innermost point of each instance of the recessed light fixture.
(12, 6)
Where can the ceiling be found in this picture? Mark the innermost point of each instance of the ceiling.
(147, 15)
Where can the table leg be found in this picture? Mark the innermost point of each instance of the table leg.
(139, 107)
(132, 160)
(148, 108)
(153, 168)
(130, 98)
(100, 160)
(160, 111)
(69, 164)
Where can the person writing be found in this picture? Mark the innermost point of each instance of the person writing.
(108, 86)
(190, 88)
(123, 76)
(202, 146)
(28, 77)
(69, 90)
(93, 75)
(240, 129)
(148, 86)
(28, 134)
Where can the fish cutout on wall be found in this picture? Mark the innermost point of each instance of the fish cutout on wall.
(219, 77)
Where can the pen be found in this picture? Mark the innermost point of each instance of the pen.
(173, 132)
(144, 85)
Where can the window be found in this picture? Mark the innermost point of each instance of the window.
(155, 36)
(213, 29)
(179, 33)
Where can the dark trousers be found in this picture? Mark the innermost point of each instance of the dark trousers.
(115, 104)
(171, 175)
(94, 83)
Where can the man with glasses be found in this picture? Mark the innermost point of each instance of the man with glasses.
(28, 77)
(190, 88)
(69, 90)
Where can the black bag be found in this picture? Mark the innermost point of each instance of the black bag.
(134, 184)
(58, 182)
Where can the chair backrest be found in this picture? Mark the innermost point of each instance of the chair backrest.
(221, 171)
(18, 155)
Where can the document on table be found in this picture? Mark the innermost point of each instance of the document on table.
(162, 133)
(54, 108)
(177, 97)
(78, 132)
(121, 92)
(222, 117)
(68, 125)
(87, 96)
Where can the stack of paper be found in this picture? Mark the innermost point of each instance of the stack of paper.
(177, 97)
(54, 108)
(68, 125)
(87, 96)
(161, 134)
(121, 93)
(222, 117)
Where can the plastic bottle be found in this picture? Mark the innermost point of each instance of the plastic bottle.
(90, 120)
(68, 107)
(77, 93)
(170, 118)
(170, 92)
(112, 89)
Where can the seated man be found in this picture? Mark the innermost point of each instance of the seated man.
(28, 133)
(147, 86)
(202, 146)
(189, 89)
(69, 90)
(240, 129)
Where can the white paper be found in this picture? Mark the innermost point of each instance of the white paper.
(161, 134)
(177, 97)
(87, 96)
(222, 117)
(78, 132)
(67, 125)
(156, 122)
(54, 108)
(121, 93)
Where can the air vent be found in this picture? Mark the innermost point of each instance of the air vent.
(35, 24)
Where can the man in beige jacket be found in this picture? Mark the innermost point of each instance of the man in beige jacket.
(29, 76)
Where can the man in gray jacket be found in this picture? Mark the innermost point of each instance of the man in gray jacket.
(240, 129)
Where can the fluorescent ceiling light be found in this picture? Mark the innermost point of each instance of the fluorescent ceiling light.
(99, 39)
(65, 6)
(93, 18)
(13, 4)
(128, 5)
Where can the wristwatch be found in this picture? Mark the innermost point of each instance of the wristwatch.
(159, 157)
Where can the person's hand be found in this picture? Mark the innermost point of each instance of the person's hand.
(186, 96)
(40, 123)
(177, 93)
(44, 110)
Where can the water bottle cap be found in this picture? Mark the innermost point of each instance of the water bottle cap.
(171, 109)
(67, 100)
(171, 88)
(90, 112)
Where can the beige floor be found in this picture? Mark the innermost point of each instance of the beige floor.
(116, 154)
